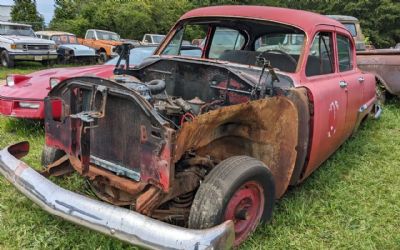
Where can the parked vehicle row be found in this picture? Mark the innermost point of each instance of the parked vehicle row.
(68, 48)
(18, 42)
(198, 142)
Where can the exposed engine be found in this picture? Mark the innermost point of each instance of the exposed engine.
(172, 108)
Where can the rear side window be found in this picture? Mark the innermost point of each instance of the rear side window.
(225, 39)
(320, 61)
(344, 53)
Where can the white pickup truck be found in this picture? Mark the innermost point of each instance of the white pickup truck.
(19, 43)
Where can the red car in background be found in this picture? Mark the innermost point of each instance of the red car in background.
(22, 96)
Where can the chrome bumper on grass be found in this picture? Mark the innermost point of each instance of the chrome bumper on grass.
(115, 221)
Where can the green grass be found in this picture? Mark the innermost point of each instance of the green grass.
(28, 67)
(351, 201)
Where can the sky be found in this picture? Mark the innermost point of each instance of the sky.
(45, 7)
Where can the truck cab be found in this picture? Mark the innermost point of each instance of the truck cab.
(352, 24)
(19, 43)
(153, 39)
(103, 41)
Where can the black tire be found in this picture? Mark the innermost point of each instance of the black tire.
(225, 180)
(61, 59)
(5, 59)
(102, 57)
(50, 155)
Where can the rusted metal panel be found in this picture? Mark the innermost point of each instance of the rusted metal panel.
(385, 64)
(265, 129)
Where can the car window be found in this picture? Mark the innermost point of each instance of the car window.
(90, 35)
(106, 35)
(320, 60)
(290, 43)
(225, 39)
(147, 38)
(352, 28)
(158, 38)
(16, 30)
(72, 39)
(345, 55)
(136, 56)
(179, 44)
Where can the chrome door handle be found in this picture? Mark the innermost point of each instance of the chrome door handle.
(343, 84)
(361, 79)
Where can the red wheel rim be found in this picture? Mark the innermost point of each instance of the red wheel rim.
(245, 209)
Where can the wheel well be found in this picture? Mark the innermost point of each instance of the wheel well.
(265, 129)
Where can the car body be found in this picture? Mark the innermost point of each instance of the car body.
(68, 48)
(103, 41)
(154, 39)
(207, 143)
(25, 98)
(19, 43)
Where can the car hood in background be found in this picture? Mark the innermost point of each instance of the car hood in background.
(79, 49)
(37, 86)
(27, 39)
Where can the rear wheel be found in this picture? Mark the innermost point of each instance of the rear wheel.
(240, 189)
(5, 59)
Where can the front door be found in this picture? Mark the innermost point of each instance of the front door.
(330, 97)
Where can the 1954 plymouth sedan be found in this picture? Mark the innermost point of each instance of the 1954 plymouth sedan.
(192, 152)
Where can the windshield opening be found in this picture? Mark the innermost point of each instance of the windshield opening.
(239, 41)
(104, 35)
(16, 30)
(158, 38)
(136, 56)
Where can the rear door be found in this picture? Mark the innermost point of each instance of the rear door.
(329, 98)
(351, 78)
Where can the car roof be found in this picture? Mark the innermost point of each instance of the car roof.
(343, 18)
(103, 31)
(53, 33)
(304, 20)
(16, 24)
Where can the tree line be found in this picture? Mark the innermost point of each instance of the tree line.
(380, 19)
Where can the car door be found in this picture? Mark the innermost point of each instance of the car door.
(328, 95)
(90, 38)
(351, 79)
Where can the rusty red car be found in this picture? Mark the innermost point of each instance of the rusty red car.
(22, 96)
(192, 152)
